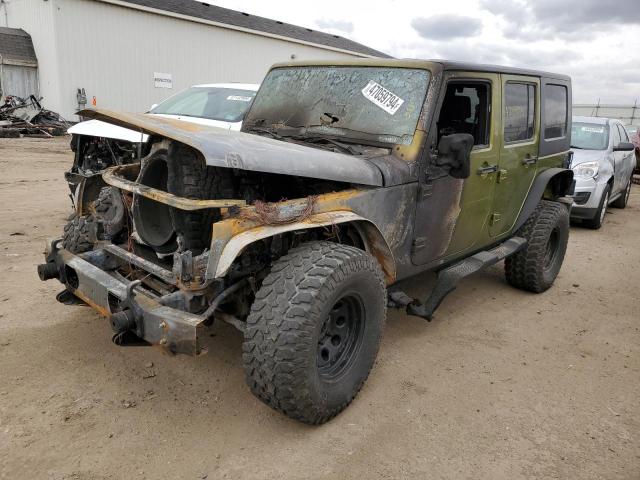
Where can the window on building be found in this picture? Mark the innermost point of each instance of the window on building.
(555, 111)
(519, 111)
(465, 109)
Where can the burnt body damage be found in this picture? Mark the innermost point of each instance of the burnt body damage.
(250, 224)
(297, 229)
(239, 150)
(92, 155)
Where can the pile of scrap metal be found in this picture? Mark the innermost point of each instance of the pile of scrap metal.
(26, 117)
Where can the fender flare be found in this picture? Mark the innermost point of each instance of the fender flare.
(373, 239)
(561, 183)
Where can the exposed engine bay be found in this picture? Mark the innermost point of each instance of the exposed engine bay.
(175, 243)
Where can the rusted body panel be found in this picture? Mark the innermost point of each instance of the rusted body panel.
(229, 149)
(113, 176)
(173, 330)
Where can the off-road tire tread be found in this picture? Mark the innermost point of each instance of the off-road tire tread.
(280, 327)
(79, 234)
(190, 177)
(524, 269)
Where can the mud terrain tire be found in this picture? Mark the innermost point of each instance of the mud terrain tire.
(110, 212)
(314, 329)
(190, 177)
(80, 234)
(536, 266)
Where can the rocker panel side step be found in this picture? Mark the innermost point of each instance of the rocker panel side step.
(449, 277)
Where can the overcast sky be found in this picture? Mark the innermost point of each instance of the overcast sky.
(597, 42)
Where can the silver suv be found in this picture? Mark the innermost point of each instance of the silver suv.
(602, 164)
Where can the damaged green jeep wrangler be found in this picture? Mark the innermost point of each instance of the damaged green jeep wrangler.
(347, 177)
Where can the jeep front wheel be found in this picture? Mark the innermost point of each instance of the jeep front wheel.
(536, 266)
(314, 329)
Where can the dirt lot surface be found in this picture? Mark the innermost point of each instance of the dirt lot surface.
(501, 385)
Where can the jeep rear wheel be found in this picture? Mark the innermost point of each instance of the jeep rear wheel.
(314, 329)
(536, 266)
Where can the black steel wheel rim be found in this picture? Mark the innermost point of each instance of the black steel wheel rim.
(552, 249)
(340, 337)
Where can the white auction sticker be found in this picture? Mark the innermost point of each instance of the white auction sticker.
(382, 97)
(593, 129)
(239, 98)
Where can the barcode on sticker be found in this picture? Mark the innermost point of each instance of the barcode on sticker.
(239, 98)
(386, 100)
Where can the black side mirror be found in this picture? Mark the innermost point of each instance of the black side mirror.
(454, 154)
(623, 147)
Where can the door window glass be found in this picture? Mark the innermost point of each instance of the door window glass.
(465, 109)
(555, 111)
(519, 112)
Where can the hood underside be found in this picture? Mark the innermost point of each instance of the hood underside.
(225, 148)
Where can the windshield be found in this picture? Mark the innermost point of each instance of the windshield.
(214, 103)
(376, 103)
(589, 136)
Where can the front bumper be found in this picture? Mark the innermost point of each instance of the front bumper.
(590, 190)
(88, 277)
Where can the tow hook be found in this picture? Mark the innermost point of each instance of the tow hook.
(48, 271)
(123, 321)
(127, 323)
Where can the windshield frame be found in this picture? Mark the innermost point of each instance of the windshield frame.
(348, 132)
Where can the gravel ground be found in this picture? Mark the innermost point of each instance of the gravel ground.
(501, 385)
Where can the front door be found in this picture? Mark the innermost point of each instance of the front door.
(518, 150)
(451, 217)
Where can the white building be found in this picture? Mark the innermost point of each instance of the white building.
(128, 55)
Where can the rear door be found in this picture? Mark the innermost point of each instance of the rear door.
(518, 156)
(628, 159)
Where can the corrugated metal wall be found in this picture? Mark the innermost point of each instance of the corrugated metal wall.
(112, 52)
(36, 18)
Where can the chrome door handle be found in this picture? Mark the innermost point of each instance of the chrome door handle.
(487, 169)
(529, 160)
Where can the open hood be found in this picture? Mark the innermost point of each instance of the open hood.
(225, 148)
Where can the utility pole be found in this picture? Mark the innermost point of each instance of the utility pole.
(6, 13)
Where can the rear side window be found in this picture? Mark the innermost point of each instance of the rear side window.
(555, 111)
(519, 111)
